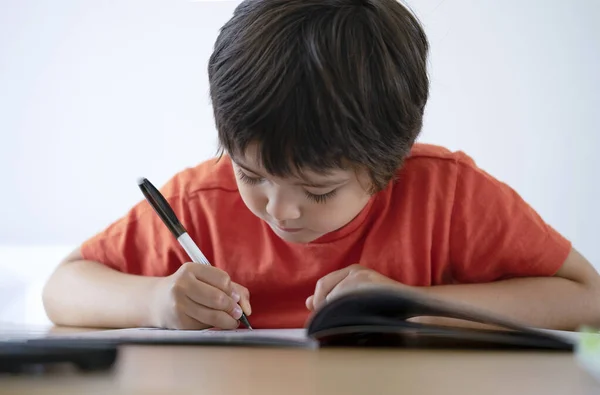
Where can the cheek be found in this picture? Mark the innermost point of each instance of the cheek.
(326, 218)
(253, 198)
(338, 213)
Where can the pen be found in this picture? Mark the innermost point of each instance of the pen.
(166, 213)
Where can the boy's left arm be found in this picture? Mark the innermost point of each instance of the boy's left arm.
(506, 259)
(565, 301)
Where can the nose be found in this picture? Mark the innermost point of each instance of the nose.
(282, 209)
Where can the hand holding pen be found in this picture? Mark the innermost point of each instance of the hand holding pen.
(198, 295)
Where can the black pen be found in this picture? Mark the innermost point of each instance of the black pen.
(166, 213)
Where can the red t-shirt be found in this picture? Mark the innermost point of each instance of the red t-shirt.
(443, 221)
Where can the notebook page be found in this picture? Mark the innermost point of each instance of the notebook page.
(282, 337)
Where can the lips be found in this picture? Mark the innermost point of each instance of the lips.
(288, 230)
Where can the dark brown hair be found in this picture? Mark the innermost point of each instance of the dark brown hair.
(321, 84)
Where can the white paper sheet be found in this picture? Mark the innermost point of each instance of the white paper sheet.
(150, 333)
(280, 337)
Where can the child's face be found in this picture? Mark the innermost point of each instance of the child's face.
(301, 210)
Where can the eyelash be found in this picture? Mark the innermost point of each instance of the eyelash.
(247, 179)
(315, 198)
(320, 198)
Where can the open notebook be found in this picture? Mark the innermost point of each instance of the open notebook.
(370, 317)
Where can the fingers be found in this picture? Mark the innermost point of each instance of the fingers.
(210, 287)
(353, 281)
(244, 298)
(211, 275)
(205, 315)
(206, 295)
(335, 283)
(211, 297)
(337, 290)
(309, 303)
(326, 284)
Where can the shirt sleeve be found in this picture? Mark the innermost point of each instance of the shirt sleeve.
(139, 242)
(496, 235)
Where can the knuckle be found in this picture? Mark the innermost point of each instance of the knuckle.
(181, 274)
(226, 283)
(359, 274)
(185, 268)
(320, 284)
(193, 270)
(222, 301)
(362, 275)
(243, 291)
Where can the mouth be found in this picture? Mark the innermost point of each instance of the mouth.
(288, 230)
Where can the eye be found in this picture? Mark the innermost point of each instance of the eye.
(320, 198)
(247, 179)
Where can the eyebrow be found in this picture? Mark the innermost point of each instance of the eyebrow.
(306, 183)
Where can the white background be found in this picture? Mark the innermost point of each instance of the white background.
(94, 94)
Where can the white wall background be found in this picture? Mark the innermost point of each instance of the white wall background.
(94, 94)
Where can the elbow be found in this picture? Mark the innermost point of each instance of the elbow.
(584, 304)
(592, 303)
(55, 295)
(51, 300)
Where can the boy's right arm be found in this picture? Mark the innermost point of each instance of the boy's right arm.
(90, 294)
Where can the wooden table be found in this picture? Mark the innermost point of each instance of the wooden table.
(225, 370)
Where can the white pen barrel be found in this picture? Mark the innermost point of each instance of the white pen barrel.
(192, 249)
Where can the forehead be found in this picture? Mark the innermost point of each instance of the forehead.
(251, 160)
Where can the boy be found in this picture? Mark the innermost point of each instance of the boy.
(322, 189)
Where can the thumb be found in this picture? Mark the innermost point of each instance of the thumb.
(309, 302)
(244, 301)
